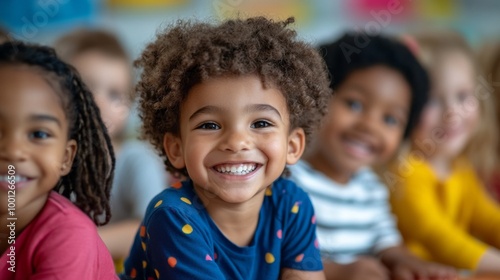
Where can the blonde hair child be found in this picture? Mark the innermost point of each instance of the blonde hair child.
(443, 211)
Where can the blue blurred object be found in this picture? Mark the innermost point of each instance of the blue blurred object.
(26, 18)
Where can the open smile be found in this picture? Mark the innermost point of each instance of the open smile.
(6, 181)
(358, 148)
(239, 169)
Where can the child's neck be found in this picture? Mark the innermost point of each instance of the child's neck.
(335, 173)
(441, 166)
(237, 222)
(117, 145)
(23, 216)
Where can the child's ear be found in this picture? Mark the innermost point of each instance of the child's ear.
(69, 156)
(173, 148)
(296, 145)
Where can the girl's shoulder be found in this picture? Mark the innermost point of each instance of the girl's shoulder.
(65, 240)
(61, 226)
(61, 212)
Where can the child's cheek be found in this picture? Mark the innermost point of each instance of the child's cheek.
(430, 120)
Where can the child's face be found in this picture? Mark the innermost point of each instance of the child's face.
(365, 124)
(109, 79)
(452, 113)
(33, 136)
(235, 138)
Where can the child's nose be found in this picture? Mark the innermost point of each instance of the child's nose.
(236, 140)
(11, 149)
(369, 122)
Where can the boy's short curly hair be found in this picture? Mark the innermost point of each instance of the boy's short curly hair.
(357, 51)
(189, 53)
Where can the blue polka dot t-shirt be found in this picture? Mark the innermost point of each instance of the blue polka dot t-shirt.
(178, 239)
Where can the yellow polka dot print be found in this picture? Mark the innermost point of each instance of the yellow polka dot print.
(269, 258)
(295, 208)
(187, 229)
(158, 203)
(269, 192)
(144, 264)
(157, 274)
(143, 246)
(184, 199)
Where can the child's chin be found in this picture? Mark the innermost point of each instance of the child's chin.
(238, 198)
(356, 164)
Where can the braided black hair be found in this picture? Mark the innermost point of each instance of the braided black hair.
(88, 184)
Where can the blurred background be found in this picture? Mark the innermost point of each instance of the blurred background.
(136, 21)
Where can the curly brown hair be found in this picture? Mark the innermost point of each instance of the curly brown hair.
(189, 53)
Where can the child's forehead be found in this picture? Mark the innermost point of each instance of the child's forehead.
(35, 72)
(376, 75)
(381, 85)
(244, 92)
(25, 86)
(222, 83)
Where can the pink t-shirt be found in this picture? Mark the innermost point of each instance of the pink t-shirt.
(60, 243)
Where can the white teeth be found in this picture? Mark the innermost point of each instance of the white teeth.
(360, 144)
(240, 169)
(17, 178)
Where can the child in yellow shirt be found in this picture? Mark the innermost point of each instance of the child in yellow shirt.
(443, 211)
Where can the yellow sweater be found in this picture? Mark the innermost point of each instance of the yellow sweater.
(449, 222)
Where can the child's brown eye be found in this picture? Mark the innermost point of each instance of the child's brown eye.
(354, 105)
(211, 126)
(390, 120)
(115, 96)
(260, 124)
(39, 135)
(463, 96)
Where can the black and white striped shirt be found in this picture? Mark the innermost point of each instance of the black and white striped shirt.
(352, 219)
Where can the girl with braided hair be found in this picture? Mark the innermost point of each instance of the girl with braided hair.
(56, 169)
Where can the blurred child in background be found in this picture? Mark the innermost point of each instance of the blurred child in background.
(380, 89)
(444, 213)
(140, 174)
(489, 58)
(54, 150)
